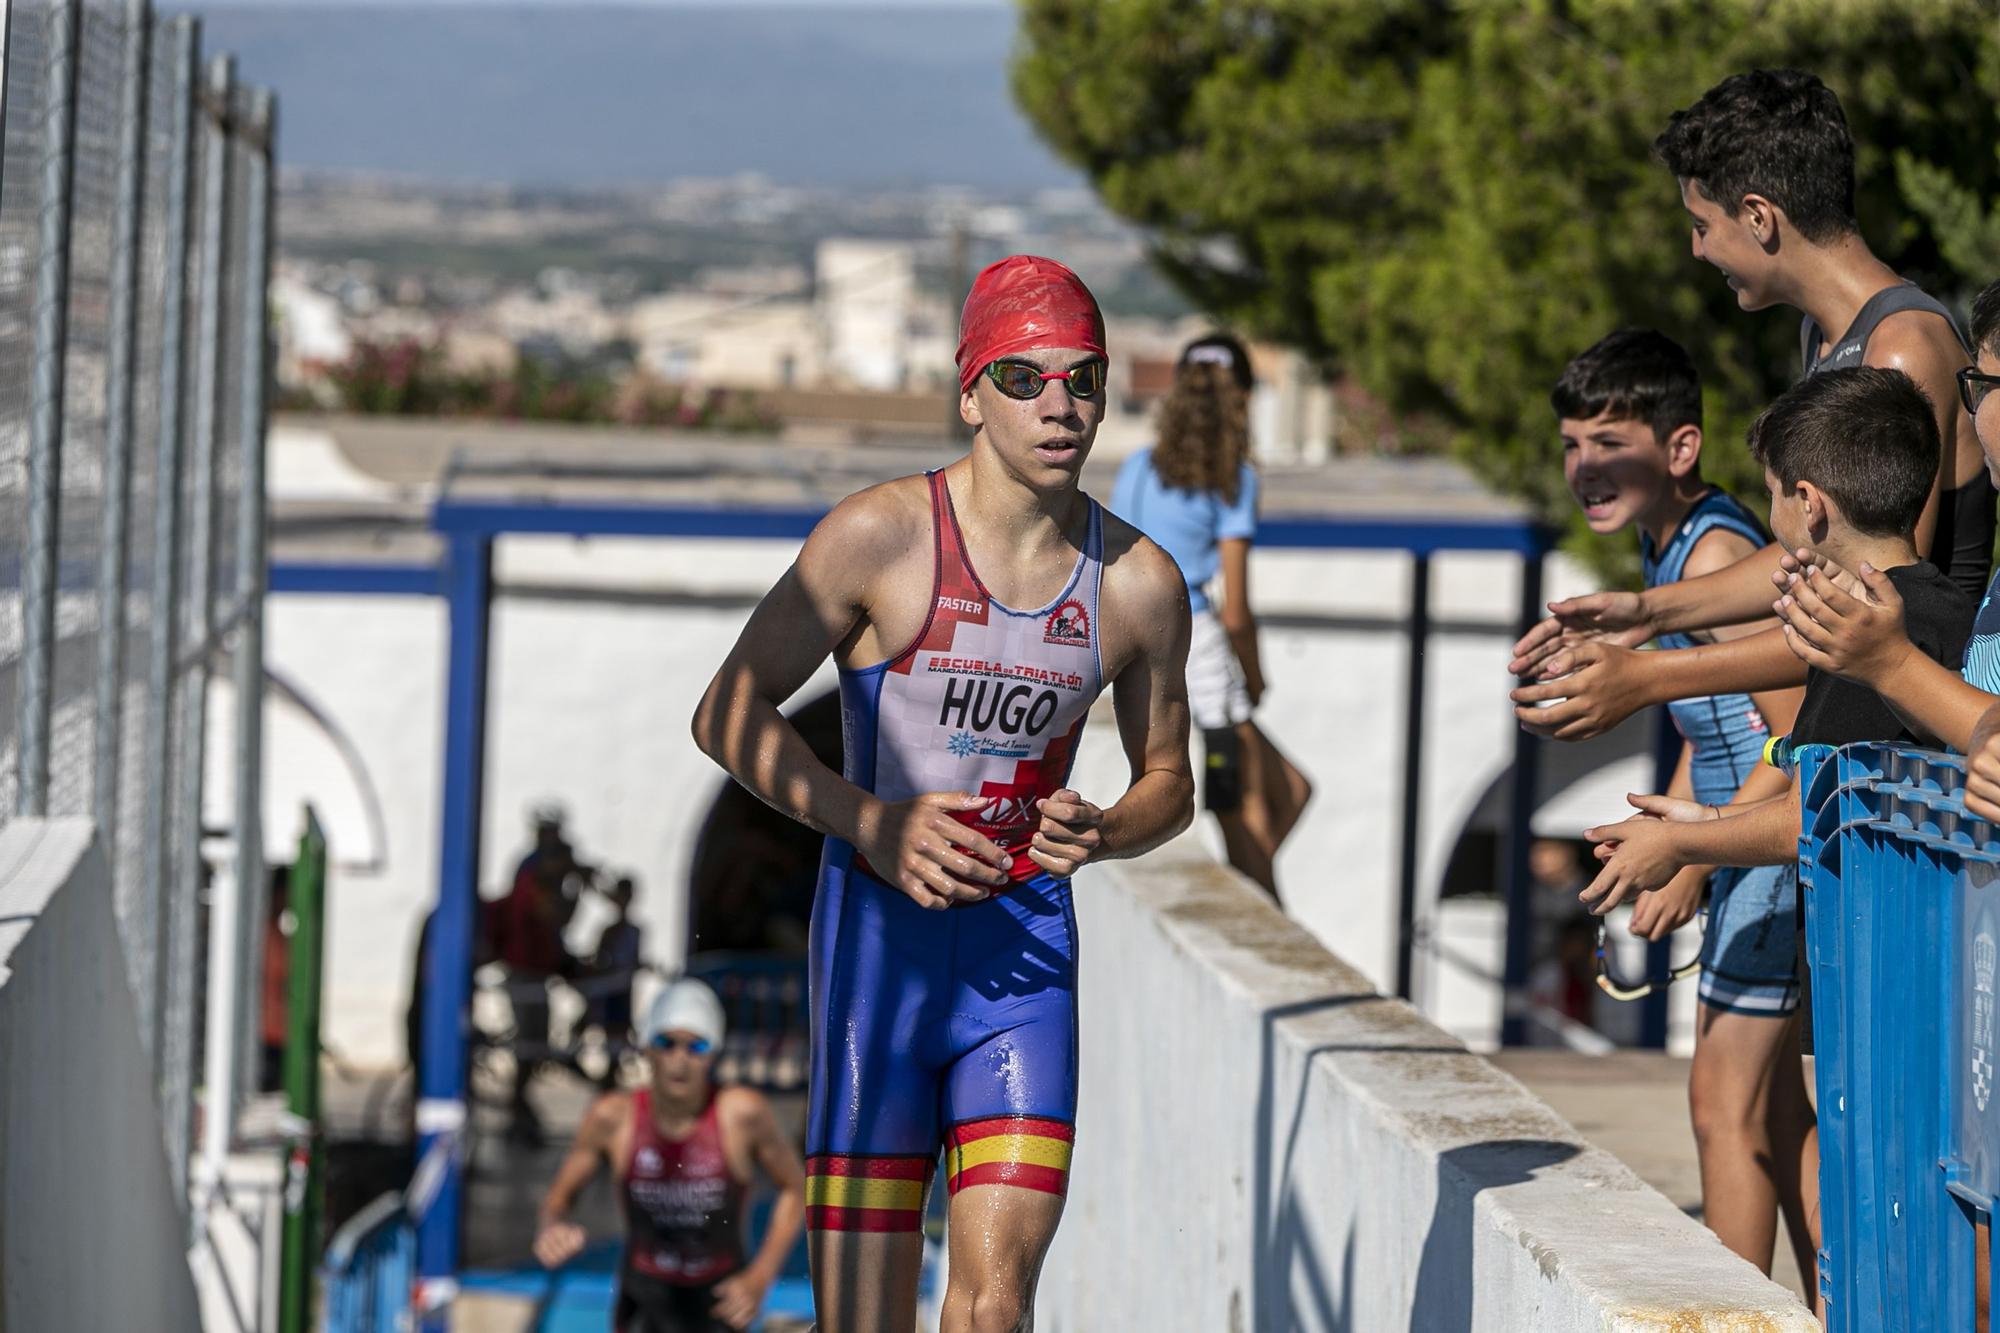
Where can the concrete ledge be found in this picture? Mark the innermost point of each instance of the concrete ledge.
(1266, 1144)
(90, 1235)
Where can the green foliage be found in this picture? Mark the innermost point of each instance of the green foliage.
(1449, 200)
(410, 378)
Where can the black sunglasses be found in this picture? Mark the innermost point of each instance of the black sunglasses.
(1619, 989)
(1023, 380)
(1973, 386)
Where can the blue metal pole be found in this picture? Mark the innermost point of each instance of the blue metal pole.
(1520, 835)
(442, 1113)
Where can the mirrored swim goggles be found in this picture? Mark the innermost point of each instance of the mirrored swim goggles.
(1024, 381)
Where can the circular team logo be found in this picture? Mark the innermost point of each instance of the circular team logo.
(1068, 624)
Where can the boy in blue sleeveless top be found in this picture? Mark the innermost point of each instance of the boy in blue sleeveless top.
(1629, 412)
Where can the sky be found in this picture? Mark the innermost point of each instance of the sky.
(580, 92)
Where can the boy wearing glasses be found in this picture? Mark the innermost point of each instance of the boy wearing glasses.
(1765, 167)
(1629, 414)
(974, 614)
(1849, 457)
(683, 1153)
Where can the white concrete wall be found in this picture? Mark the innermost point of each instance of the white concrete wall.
(1266, 1144)
(90, 1235)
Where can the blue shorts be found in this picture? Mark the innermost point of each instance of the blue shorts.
(1750, 953)
(953, 1029)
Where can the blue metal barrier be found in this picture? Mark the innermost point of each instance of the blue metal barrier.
(1902, 920)
(371, 1266)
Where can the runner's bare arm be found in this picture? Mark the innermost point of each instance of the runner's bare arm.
(739, 1297)
(556, 1240)
(1149, 699)
(779, 1160)
(819, 604)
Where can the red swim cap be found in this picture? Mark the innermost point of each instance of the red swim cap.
(1024, 302)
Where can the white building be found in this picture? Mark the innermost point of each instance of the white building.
(866, 296)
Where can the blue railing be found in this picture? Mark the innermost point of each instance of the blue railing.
(1903, 918)
(371, 1266)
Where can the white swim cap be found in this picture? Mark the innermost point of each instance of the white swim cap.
(686, 1006)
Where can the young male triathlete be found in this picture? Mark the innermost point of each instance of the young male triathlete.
(683, 1152)
(974, 614)
(1766, 172)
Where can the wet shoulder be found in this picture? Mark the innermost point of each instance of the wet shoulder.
(875, 528)
(1142, 584)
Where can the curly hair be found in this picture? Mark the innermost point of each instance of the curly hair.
(1204, 431)
(1775, 132)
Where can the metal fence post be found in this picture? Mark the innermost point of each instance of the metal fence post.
(206, 464)
(1413, 773)
(304, 1183)
(442, 1113)
(115, 542)
(1521, 800)
(261, 137)
(41, 535)
(156, 901)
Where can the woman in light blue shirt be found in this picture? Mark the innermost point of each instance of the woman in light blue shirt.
(1195, 493)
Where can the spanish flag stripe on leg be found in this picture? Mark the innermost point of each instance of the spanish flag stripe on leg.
(1021, 1175)
(1013, 1124)
(863, 1192)
(821, 1218)
(875, 1168)
(1010, 1148)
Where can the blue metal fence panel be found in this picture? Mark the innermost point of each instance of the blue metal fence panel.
(371, 1264)
(1902, 920)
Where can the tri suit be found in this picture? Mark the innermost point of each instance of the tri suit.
(683, 1226)
(957, 1027)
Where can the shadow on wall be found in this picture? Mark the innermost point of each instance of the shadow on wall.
(1293, 1289)
(1443, 1298)
(751, 881)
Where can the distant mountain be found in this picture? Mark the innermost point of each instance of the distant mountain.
(596, 94)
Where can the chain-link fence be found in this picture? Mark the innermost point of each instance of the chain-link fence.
(135, 224)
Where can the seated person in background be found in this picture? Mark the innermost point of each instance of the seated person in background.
(1849, 457)
(528, 929)
(683, 1153)
(612, 966)
(1629, 414)
(1565, 982)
